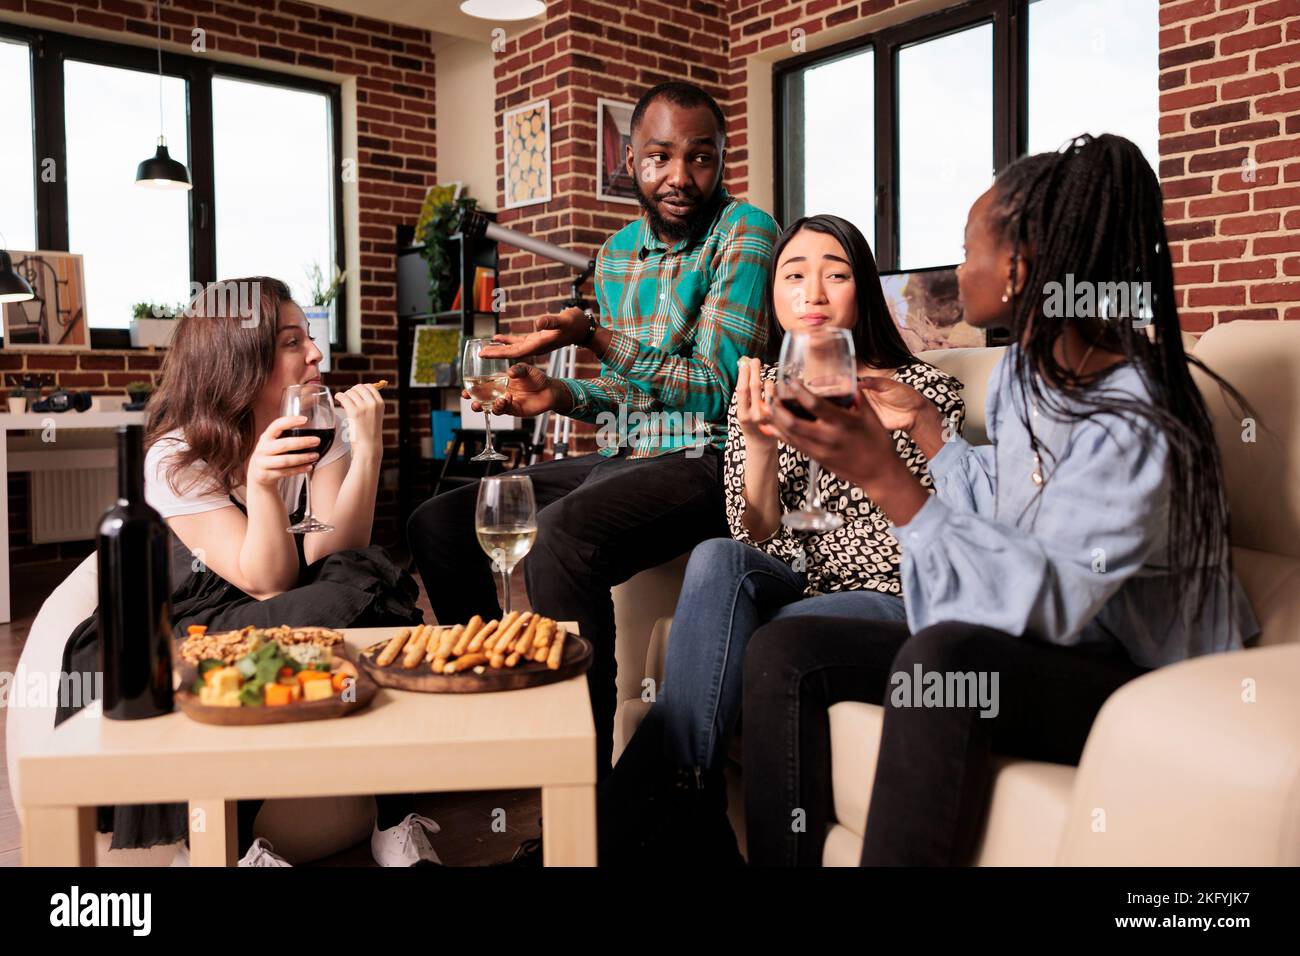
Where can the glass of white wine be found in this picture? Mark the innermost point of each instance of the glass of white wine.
(506, 523)
(486, 380)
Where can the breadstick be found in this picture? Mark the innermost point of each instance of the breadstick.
(444, 647)
(464, 663)
(507, 622)
(524, 645)
(485, 632)
(520, 627)
(545, 631)
(390, 652)
(415, 649)
(462, 642)
(382, 383)
(506, 640)
(557, 651)
(431, 647)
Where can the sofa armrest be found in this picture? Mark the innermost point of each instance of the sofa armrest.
(1196, 764)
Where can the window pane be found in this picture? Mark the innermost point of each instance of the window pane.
(945, 142)
(274, 183)
(17, 148)
(831, 151)
(1093, 66)
(136, 242)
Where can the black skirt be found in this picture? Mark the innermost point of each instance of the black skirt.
(355, 588)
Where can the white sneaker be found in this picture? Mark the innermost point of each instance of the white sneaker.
(259, 854)
(182, 857)
(405, 844)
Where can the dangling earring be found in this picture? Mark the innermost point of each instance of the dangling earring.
(1006, 296)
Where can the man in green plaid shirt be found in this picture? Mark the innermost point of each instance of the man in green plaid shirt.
(683, 294)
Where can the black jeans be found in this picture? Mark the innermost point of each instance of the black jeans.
(599, 522)
(934, 768)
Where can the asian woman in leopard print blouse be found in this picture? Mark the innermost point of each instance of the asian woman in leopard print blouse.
(823, 274)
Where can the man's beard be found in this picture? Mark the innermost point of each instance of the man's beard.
(688, 227)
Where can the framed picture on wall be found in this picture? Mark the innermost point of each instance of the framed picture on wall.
(56, 317)
(926, 307)
(613, 136)
(528, 154)
(435, 355)
(527, 145)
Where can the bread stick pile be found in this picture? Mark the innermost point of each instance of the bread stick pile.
(478, 645)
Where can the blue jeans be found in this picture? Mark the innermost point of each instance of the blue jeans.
(731, 589)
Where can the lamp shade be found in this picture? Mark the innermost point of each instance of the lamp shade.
(503, 9)
(13, 287)
(160, 171)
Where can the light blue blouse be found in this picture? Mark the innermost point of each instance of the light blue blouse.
(1079, 560)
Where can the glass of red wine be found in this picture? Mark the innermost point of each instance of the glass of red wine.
(823, 360)
(316, 404)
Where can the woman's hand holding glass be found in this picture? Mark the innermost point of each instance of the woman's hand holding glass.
(275, 457)
(900, 407)
(850, 442)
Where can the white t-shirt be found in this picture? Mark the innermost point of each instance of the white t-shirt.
(196, 499)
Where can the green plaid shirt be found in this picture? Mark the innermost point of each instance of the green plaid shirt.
(681, 316)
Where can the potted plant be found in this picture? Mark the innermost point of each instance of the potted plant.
(152, 324)
(320, 314)
(22, 395)
(139, 393)
(439, 218)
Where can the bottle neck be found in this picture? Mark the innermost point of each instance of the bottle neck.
(130, 463)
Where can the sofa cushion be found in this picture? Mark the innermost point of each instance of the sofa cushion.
(1027, 809)
(1272, 584)
(1261, 467)
(971, 367)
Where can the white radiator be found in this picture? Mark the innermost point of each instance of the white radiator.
(66, 504)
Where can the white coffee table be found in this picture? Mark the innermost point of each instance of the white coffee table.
(403, 742)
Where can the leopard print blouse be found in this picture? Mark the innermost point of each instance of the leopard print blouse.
(861, 554)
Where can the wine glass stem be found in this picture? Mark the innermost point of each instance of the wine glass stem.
(814, 482)
(487, 425)
(307, 515)
(505, 588)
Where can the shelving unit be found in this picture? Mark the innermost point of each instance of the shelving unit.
(415, 308)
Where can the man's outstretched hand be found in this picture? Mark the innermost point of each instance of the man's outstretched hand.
(530, 392)
(551, 332)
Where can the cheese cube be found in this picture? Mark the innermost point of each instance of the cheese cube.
(317, 690)
(225, 680)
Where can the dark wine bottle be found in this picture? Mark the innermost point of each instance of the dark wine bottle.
(134, 613)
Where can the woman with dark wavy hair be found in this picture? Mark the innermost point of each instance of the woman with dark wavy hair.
(228, 481)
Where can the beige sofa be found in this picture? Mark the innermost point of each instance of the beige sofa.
(1195, 764)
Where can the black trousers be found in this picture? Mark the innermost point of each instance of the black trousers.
(934, 769)
(599, 522)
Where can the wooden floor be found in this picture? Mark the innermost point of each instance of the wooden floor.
(472, 831)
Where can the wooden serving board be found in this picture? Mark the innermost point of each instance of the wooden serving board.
(336, 706)
(577, 659)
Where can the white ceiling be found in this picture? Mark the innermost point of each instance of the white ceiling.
(440, 16)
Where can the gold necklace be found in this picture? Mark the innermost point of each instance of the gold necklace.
(1036, 476)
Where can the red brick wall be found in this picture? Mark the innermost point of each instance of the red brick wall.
(587, 50)
(1230, 156)
(394, 67)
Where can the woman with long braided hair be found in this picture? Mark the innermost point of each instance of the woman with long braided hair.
(1086, 545)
